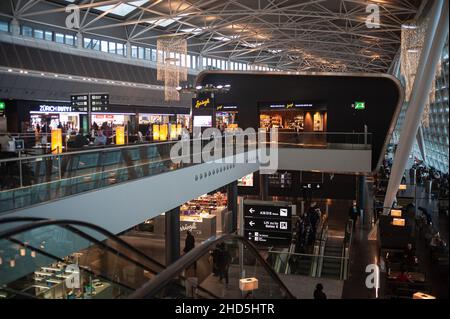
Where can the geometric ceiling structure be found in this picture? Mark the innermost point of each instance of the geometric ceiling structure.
(290, 35)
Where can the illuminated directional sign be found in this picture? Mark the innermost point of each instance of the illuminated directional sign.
(268, 224)
(360, 105)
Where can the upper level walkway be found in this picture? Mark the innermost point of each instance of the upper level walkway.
(119, 187)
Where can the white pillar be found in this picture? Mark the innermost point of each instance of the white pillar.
(79, 43)
(434, 44)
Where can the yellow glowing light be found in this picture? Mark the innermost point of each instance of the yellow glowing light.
(56, 141)
(120, 135)
(156, 132)
(396, 213)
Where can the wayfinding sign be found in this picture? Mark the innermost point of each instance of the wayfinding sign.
(269, 225)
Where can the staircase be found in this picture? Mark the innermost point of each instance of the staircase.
(331, 267)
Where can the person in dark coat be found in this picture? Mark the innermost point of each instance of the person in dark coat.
(318, 293)
(189, 242)
(223, 264)
(353, 214)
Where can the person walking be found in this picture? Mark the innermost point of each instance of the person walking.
(223, 263)
(318, 293)
(189, 242)
(353, 214)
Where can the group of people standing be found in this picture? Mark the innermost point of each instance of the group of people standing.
(306, 228)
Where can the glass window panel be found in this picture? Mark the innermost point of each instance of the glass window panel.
(4, 26)
(27, 31)
(141, 54)
(96, 44)
(112, 47)
(148, 53)
(39, 34)
(134, 51)
(59, 38)
(48, 35)
(188, 60)
(120, 49)
(70, 39)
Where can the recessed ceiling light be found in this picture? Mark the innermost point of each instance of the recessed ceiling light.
(9, 70)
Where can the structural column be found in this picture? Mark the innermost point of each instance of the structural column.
(434, 43)
(172, 233)
(264, 186)
(15, 27)
(362, 198)
(232, 193)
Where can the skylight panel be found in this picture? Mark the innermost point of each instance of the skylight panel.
(122, 9)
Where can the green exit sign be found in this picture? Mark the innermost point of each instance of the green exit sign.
(2, 106)
(360, 105)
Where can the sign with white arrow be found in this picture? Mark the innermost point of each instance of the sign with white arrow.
(268, 224)
(267, 211)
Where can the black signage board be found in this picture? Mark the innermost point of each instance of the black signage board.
(267, 211)
(267, 224)
(286, 105)
(79, 102)
(203, 111)
(225, 107)
(269, 238)
(99, 102)
(312, 186)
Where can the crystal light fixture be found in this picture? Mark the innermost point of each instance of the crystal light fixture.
(171, 64)
(413, 38)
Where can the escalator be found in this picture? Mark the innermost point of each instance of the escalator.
(332, 259)
(64, 259)
(247, 276)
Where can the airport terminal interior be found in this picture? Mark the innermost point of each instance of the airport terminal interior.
(242, 149)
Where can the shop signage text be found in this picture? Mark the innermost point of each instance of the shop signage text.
(203, 103)
(287, 105)
(226, 107)
(55, 108)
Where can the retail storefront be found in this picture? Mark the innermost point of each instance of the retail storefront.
(28, 116)
(204, 217)
(293, 116)
(162, 127)
(226, 116)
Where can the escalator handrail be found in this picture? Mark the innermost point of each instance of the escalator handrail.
(172, 271)
(47, 254)
(67, 223)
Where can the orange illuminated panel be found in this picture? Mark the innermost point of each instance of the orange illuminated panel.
(248, 284)
(56, 141)
(421, 295)
(179, 129)
(173, 132)
(120, 135)
(156, 132)
(396, 213)
(163, 132)
(402, 187)
(398, 222)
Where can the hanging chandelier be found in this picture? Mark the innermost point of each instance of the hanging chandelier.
(171, 64)
(413, 39)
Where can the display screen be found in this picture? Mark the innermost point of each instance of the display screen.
(246, 180)
(203, 121)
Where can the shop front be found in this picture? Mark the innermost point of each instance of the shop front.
(162, 127)
(308, 118)
(226, 116)
(204, 217)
